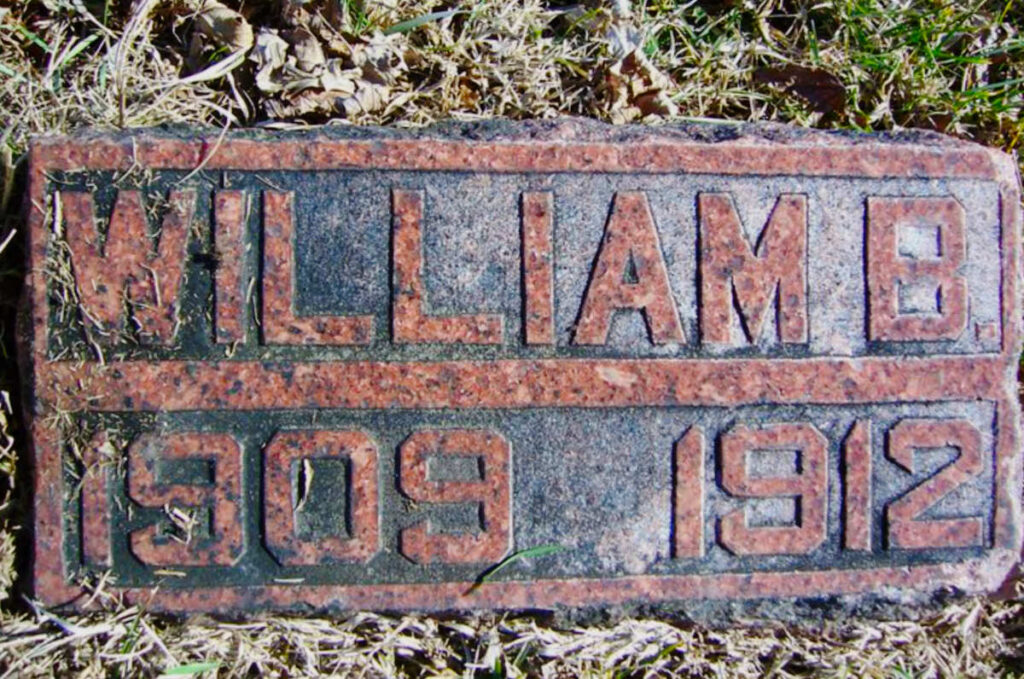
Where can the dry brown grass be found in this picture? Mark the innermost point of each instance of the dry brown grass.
(862, 64)
(968, 639)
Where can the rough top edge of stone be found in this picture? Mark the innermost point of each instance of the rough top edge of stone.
(568, 129)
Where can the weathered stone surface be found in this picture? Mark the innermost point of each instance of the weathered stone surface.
(356, 369)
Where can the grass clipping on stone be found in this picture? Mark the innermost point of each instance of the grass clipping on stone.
(856, 64)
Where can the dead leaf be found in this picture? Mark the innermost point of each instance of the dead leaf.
(309, 56)
(223, 26)
(367, 98)
(823, 91)
(306, 16)
(300, 80)
(380, 59)
(300, 105)
(364, 98)
(338, 79)
(270, 55)
(633, 88)
(469, 93)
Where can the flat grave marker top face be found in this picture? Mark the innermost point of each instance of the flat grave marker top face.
(358, 371)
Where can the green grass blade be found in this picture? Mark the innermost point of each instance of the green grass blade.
(1002, 84)
(30, 36)
(191, 669)
(76, 50)
(529, 553)
(8, 73)
(416, 22)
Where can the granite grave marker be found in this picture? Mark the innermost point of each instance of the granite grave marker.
(357, 369)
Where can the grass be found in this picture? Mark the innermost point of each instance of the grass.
(849, 64)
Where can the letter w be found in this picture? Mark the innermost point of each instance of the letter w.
(731, 269)
(123, 277)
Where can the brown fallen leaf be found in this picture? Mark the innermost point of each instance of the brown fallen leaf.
(367, 98)
(270, 56)
(306, 16)
(380, 59)
(309, 55)
(633, 88)
(338, 79)
(302, 75)
(300, 105)
(223, 26)
(823, 91)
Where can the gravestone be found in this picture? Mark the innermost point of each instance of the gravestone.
(521, 366)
